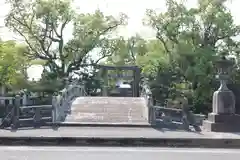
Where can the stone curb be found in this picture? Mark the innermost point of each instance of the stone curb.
(100, 125)
(120, 142)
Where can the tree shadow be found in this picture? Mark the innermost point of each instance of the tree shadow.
(175, 127)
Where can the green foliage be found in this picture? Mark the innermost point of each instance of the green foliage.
(92, 82)
(43, 25)
(13, 63)
(181, 60)
(192, 38)
(127, 51)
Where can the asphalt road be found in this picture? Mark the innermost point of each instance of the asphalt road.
(93, 153)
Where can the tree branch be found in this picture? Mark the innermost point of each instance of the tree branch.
(75, 65)
(131, 46)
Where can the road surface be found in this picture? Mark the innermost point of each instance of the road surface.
(93, 153)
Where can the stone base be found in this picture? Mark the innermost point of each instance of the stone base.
(222, 123)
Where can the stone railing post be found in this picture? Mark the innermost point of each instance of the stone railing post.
(185, 113)
(11, 101)
(82, 91)
(63, 105)
(76, 91)
(16, 109)
(72, 91)
(152, 115)
(37, 118)
(25, 99)
(54, 109)
(2, 101)
(79, 91)
(150, 110)
(58, 108)
(66, 103)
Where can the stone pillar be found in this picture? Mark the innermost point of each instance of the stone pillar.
(134, 84)
(54, 109)
(2, 101)
(11, 101)
(223, 117)
(25, 99)
(105, 82)
(136, 81)
(2, 90)
(16, 112)
(2, 94)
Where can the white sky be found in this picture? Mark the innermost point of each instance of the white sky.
(135, 10)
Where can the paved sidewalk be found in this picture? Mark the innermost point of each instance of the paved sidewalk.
(118, 132)
(113, 137)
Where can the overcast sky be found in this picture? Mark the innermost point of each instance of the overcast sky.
(133, 8)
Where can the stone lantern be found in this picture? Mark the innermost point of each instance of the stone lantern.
(223, 117)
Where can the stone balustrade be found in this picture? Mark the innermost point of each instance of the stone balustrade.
(166, 117)
(6, 101)
(62, 102)
(26, 111)
(24, 100)
(18, 115)
(175, 114)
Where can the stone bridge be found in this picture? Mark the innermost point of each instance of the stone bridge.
(108, 110)
(72, 106)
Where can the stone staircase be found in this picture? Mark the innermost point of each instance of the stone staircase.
(108, 110)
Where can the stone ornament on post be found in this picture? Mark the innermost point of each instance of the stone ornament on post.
(223, 117)
(223, 98)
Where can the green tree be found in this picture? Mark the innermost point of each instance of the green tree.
(127, 51)
(13, 63)
(192, 38)
(42, 24)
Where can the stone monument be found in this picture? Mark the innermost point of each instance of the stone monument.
(223, 117)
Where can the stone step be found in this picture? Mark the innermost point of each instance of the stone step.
(107, 110)
(108, 114)
(111, 120)
(108, 104)
(116, 119)
(104, 121)
(116, 107)
(105, 117)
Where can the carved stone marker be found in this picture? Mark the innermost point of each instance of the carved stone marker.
(223, 117)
